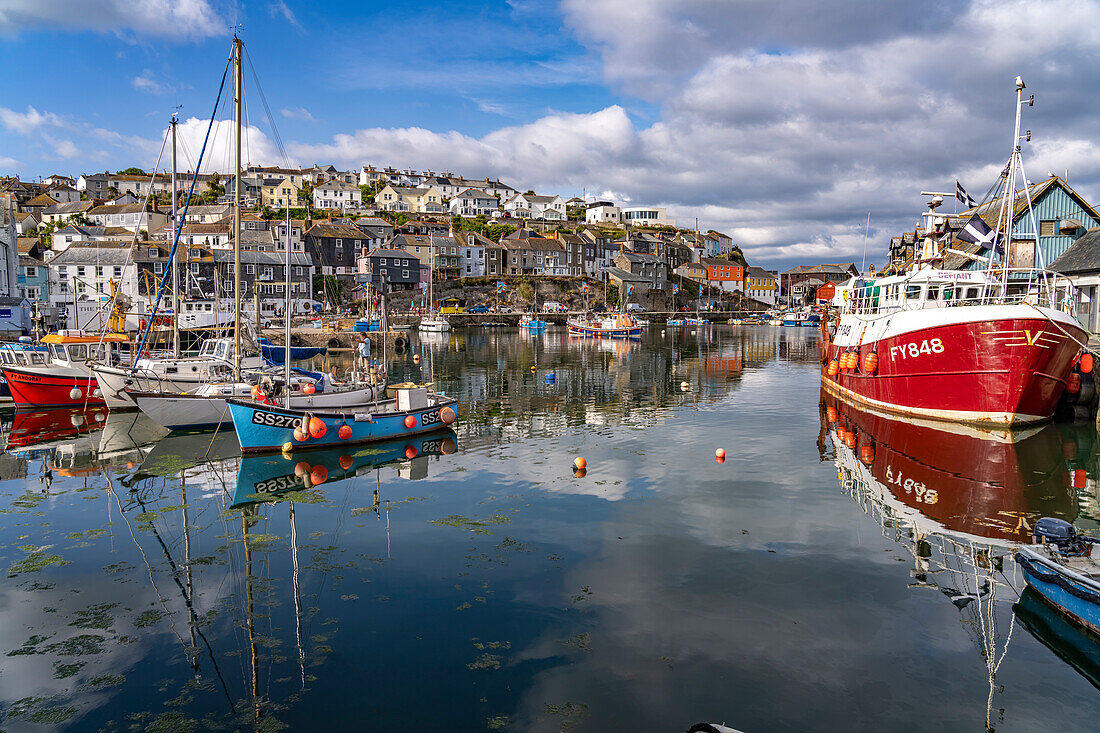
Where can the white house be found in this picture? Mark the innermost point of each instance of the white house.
(83, 273)
(473, 202)
(602, 212)
(337, 194)
(531, 206)
(647, 216)
(134, 217)
(471, 251)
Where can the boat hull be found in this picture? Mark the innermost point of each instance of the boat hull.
(203, 412)
(1074, 596)
(1005, 369)
(262, 428)
(40, 387)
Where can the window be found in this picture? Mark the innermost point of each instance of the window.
(30, 271)
(405, 274)
(298, 270)
(1048, 228)
(80, 271)
(118, 271)
(912, 292)
(269, 272)
(153, 252)
(249, 269)
(99, 271)
(195, 267)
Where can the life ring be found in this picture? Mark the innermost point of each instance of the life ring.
(295, 340)
(334, 343)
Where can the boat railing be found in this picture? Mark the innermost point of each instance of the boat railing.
(1011, 286)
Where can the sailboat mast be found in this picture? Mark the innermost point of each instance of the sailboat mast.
(237, 211)
(286, 309)
(175, 259)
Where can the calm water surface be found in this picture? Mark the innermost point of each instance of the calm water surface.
(839, 571)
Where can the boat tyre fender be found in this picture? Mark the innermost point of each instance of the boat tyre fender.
(334, 343)
(295, 340)
(400, 343)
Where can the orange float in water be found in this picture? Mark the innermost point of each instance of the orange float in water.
(318, 475)
(580, 472)
(867, 454)
(719, 459)
(308, 389)
(344, 432)
(317, 428)
(579, 462)
(870, 363)
(1073, 383)
(410, 421)
(1080, 478)
(850, 439)
(410, 451)
(720, 453)
(1086, 363)
(346, 462)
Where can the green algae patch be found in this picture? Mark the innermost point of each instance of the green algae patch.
(96, 616)
(61, 671)
(78, 646)
(39, 710)
(103, 681)
(485, 661)
(477, 526)
(148, 618)
(37, 558)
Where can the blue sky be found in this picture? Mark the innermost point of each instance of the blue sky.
(781, 124)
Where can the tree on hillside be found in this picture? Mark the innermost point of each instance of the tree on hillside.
(214, 189)
(305, 193)
(496, 231)
(133, 172)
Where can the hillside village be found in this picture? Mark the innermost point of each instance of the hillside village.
(70, 242)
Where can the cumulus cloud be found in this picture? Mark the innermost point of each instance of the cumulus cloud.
(167, 19)
(279, 8)
(29, 121)
(146, 83)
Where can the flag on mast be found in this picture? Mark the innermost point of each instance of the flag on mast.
(963, 197)
(978, 232)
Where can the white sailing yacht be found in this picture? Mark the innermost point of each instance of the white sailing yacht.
(434, 322)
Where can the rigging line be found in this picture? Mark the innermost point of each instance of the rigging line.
(263, 100)
(186, 205)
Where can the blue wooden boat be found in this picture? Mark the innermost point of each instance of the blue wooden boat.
(1072, 644)
(276, 354)
(263, 428)
(1062, 570)
(266, 478)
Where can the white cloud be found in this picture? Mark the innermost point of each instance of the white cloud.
(7, 163)
(298, 113)
(29, 121)
(179, 20)
(146, 83)
(279, 7)
(66, 149)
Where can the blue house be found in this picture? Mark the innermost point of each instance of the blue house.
(1062, 215)
(34, 279)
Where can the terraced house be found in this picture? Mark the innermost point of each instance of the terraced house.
(337, 194)
(410, 200)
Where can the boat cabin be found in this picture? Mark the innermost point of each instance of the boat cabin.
(23, 354)
(76, 347)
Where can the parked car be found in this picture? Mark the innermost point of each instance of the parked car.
(552, 306)
(683, 309)
(638, 307)
(504, 309)
(599, 309)
(480, 308)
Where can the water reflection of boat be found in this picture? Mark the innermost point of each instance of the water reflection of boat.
(1074, 645)
(263, 478)
(43, 429)
(957, 499)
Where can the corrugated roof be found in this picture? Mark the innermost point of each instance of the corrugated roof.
(1082, 256)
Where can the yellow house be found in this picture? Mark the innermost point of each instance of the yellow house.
(411, 200)
(279, 193)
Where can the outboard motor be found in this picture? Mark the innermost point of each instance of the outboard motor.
(1061, 534)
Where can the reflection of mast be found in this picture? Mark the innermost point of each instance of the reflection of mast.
(297, 595)
(193, 622)
(250, 621)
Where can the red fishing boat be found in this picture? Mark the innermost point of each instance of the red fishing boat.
(994, 345)
(65, 380)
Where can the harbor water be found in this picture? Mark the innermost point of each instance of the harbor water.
(839, 570)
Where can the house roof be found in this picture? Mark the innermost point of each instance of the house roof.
(639, 257)
(1082, 256)
(388, 251)
(107, 209)
(754, 271)
(369, 221)
(524, 233)
(41, 199)
(71, 207)
(336, 184)
(342, 231)
(476, 193)
(833, 269)
(620, 274)
(94, 253)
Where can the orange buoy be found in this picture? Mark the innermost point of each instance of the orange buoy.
(720, 453)
(317, 427)
(346, 462)
(1086, 363)
(867, 454)
(850, 439)
(579, 462)
(831, 413)
(344, 432)
(410, 451)
(870, 363)
(410, 421)
(256, 393)
(318, 475)
(301, 469)
(447, 415)
(308, 389)
(834, 367)
(300, 434)
(1073, 383)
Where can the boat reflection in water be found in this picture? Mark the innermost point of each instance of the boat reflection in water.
(265, 478)
(1074, 645)
(958, 499)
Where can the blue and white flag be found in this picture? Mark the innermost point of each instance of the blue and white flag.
(584, 287)
(966, 200)
(978, 232)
